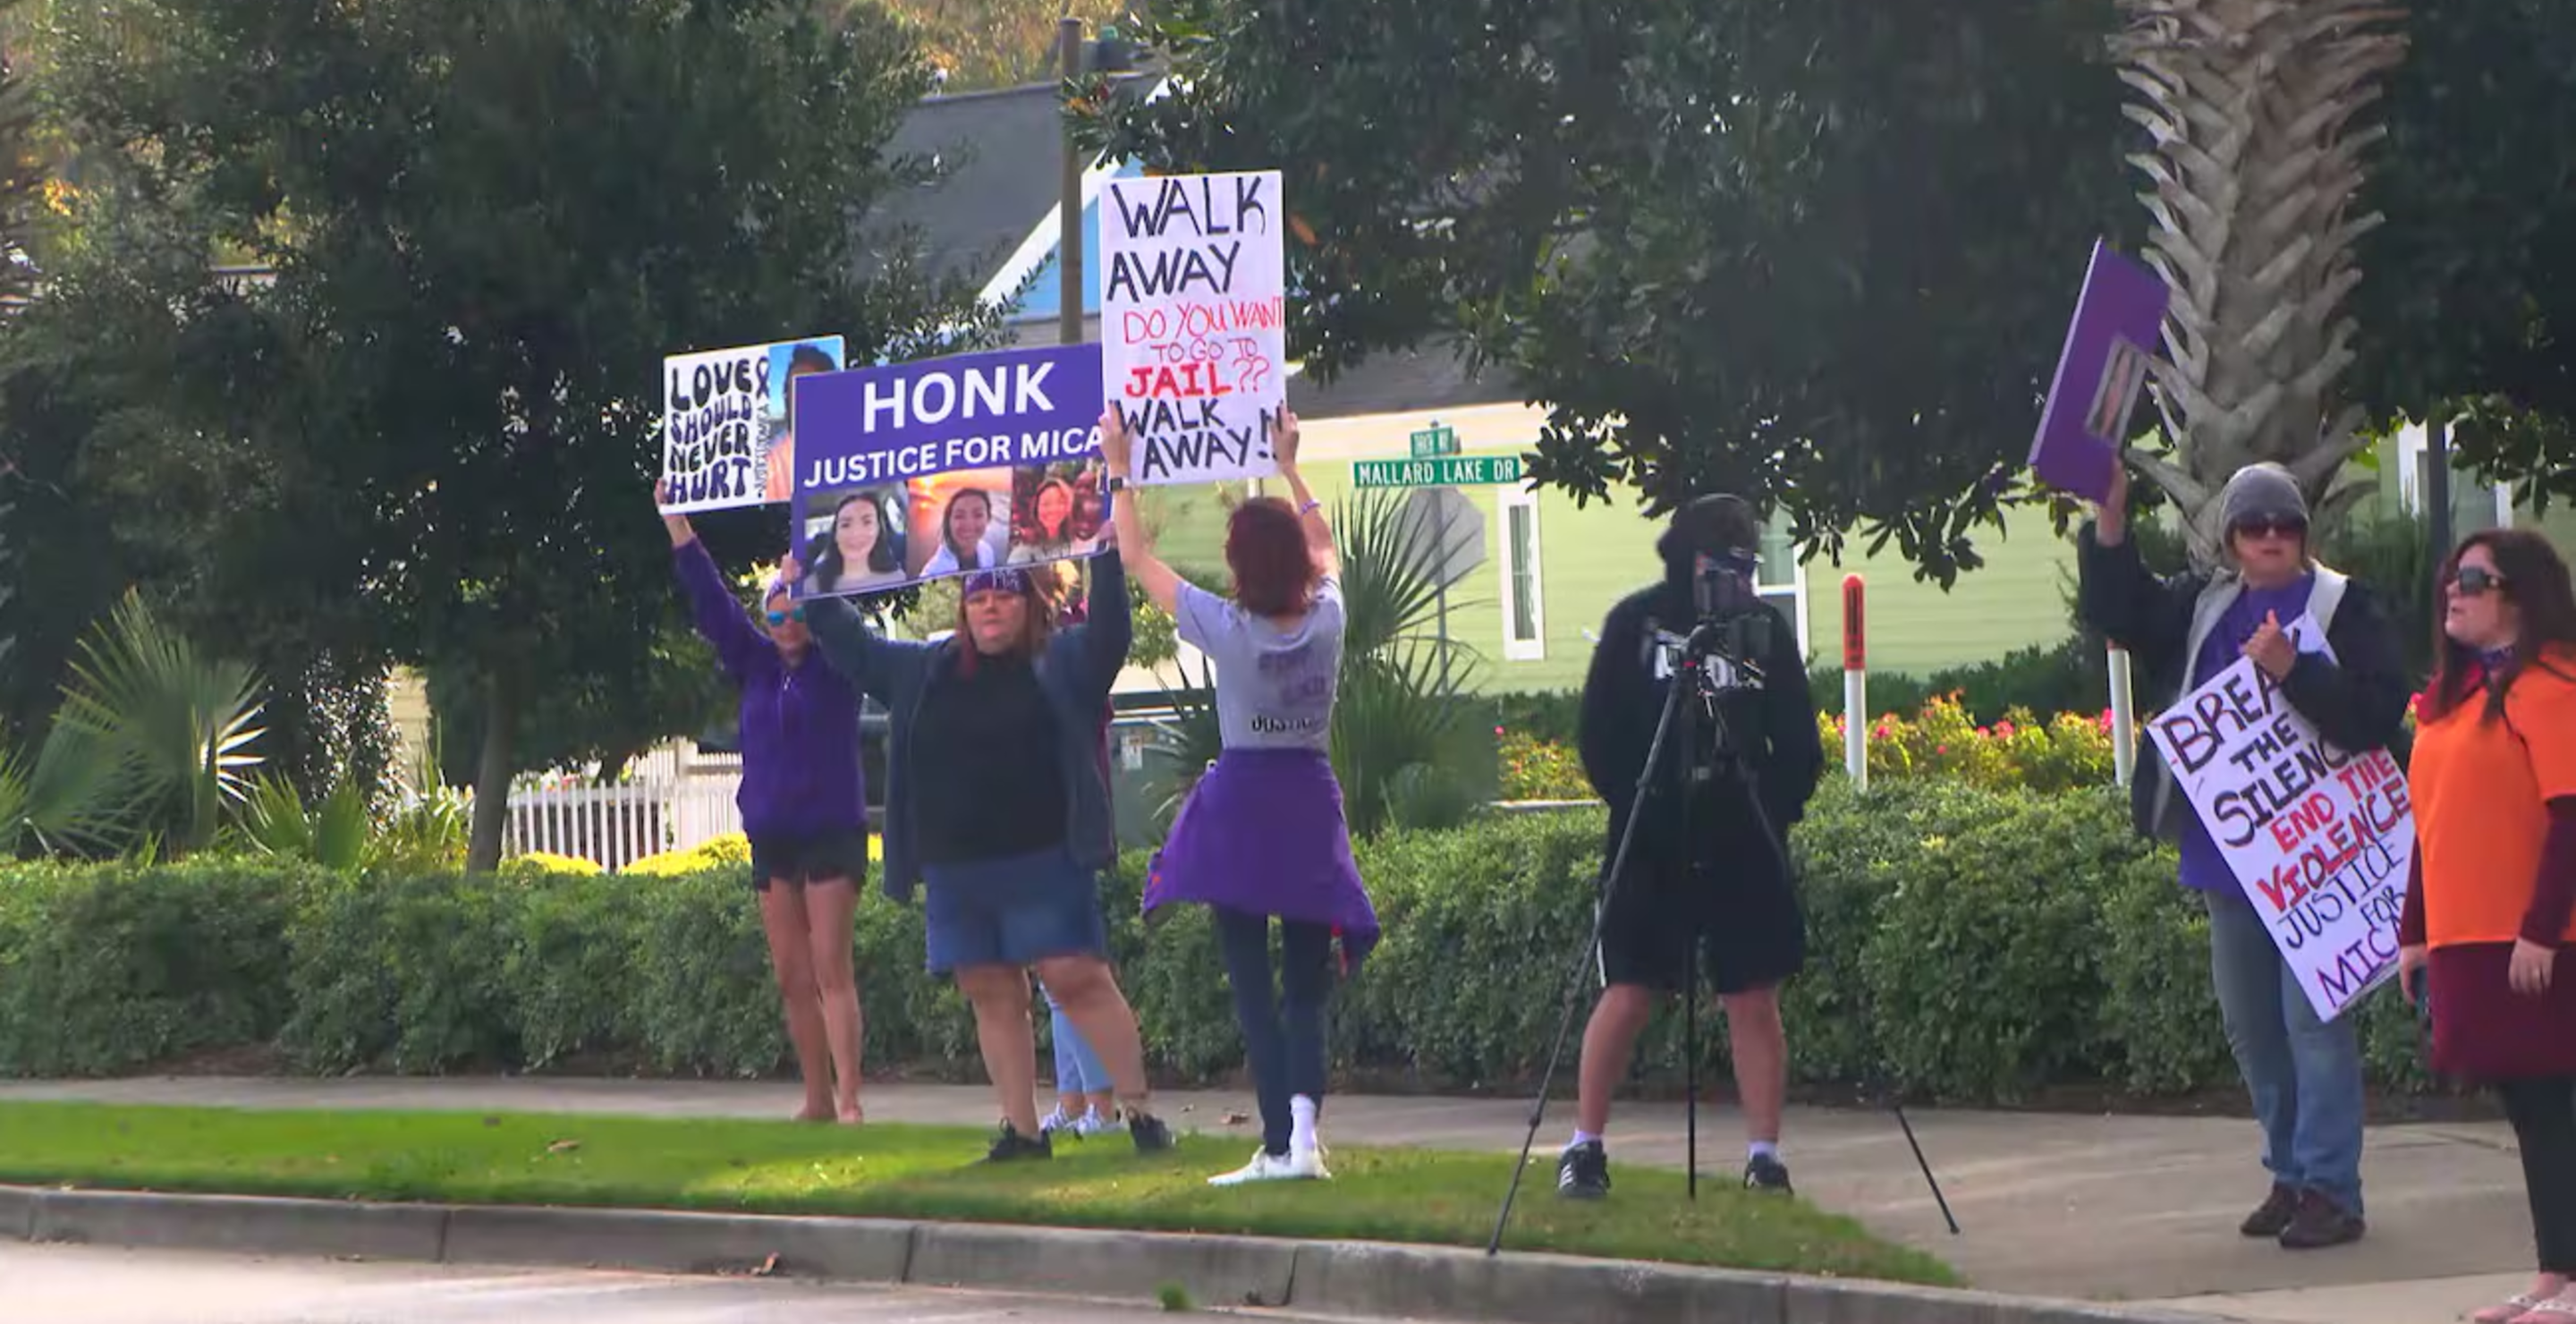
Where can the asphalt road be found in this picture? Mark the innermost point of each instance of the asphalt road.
(97, 1285)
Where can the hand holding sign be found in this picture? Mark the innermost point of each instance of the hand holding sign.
(1283, 440)
(2272, 649)
(1117, 444)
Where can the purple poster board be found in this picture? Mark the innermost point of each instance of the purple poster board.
(915, 471)
(2118, 320)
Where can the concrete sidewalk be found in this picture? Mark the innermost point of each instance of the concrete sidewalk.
(2104, 1208)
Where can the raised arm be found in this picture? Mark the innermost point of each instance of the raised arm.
(738, 643)
(866, 659)
(1135, 546)
(1109, 620)
(2117, 595)
(1310, 512)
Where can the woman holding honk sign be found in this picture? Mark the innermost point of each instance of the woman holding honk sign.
(2304, 1072)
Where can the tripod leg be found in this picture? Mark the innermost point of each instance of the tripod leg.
(1574, 976)
(1925, 1164)
(1690, 1071)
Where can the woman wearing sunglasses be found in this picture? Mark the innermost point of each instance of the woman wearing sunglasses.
(2304, 1073)
(2486, 925)
(804, 808)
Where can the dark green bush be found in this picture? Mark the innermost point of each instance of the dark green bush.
(107, 968)
(1967, 945)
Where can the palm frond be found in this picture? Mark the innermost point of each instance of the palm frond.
(183, 724)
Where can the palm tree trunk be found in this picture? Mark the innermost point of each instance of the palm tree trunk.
(2253, 106)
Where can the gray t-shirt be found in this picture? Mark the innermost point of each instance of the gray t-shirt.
(1274, 688)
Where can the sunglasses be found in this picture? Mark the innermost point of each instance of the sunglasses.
(2476, 581)
(783, 617)
(2273, 528)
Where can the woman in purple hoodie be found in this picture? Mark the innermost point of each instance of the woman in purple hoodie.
(804, 808)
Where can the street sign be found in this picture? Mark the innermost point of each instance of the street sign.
(1451, 471)
(1444, 534)
(1435, 441)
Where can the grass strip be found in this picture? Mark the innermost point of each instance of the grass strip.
(1417, 1196)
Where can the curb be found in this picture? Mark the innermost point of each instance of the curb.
(1344, 1278)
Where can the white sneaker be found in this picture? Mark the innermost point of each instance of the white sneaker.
(1309, 1162)
(1093, 1124)
(1057, 1121)
(1265, 1166)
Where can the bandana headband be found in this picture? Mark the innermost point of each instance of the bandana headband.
(1011, 580)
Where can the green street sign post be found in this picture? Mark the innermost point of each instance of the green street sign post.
(1435, 441)
(1446, 471)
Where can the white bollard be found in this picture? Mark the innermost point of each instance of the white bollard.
(1855, 685)
(2124, 724)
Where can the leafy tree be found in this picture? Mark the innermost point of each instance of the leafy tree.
(489, 219)
(2468, 306)
(1815, 251)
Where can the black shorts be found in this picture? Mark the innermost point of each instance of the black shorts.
(798, 858)
(1749, 931)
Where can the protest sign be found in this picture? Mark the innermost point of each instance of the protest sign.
(915, 471)
(1194, 345)
(727, 439)
(2320, 838)
(2118, 319)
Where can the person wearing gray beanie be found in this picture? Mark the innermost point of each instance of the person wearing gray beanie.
(2303, 1072)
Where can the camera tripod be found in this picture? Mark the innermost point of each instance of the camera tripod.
(1692, 677)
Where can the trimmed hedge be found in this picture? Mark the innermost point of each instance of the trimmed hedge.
(1967, 945)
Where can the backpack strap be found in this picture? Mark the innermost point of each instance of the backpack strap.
(2326, 596)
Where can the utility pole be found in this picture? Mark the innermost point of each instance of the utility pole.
(1068, 242)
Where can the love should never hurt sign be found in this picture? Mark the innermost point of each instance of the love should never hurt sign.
(2319, 838)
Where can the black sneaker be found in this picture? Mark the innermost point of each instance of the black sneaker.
(1151, 1134)
(1765, 1172)
(2320, 1223)
(1583, 1172)
(2272, 1217)
(1012, 1147)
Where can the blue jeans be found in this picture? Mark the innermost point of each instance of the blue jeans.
(1077, 1068)
(2304, 1074)
(1282, 1020)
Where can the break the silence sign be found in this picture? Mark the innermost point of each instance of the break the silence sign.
(727, 440)
(916, 471)
(1193, 313)
(2319, 837)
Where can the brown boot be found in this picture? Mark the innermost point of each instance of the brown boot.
(2272, 1217)
(2320, 1223)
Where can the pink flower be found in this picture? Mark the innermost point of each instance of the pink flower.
(1940, 749)
(2004, 730)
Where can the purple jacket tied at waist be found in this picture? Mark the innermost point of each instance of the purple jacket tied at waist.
(800, 724)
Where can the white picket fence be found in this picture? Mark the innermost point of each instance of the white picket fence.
(674, 798)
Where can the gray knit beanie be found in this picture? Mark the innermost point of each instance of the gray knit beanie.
(2259, 493)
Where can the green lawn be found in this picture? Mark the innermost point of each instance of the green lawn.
(1404, 1195)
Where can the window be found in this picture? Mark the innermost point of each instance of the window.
(1782, 580)
(1524, 613)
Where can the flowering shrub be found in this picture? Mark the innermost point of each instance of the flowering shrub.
(1535, 769)
(543, 862)
(2018, 752)
(730, 850)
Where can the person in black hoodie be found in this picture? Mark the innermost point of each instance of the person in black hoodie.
(1707, 873)
(2304, 1073)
